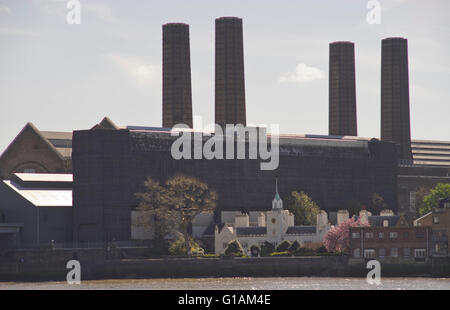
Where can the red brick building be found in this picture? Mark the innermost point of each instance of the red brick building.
(390, 242)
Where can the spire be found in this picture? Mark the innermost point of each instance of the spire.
(277, 203)
(277, 196)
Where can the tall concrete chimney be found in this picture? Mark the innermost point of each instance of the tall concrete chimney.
(395, 122)
(230, 85)
(342, 91)
(177, 96)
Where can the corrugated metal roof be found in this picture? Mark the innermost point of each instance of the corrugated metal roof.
(45, 177)
(43, 197)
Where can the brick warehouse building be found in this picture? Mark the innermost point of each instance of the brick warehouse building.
(390, 242)
(109, 166)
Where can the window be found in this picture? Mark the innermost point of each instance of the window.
(369, 235)
(406, 252)
(420, 235)
(380, 235)
(435, 219)
(420, 253)
(393, 234)
(406, 235)
(385, 223)
(29, 170)
(356, 253)
(356, 235)
(369, 253)
(394, 252)
(381, 252)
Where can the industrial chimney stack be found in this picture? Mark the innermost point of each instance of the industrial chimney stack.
(342, 91)
(395, 122)
(177, 96)
(229, 85)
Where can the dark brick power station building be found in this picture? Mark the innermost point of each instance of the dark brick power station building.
(110, 165)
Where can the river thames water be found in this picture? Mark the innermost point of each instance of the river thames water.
(303, 283)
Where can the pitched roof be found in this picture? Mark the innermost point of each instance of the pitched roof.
(301, 230)
(251, 231)
(378, 220)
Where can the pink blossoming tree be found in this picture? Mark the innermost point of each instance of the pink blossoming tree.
(337, 239)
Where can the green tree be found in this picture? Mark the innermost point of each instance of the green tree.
(153, 199)
(421, 192)
(283, 246)
(305, 210)
(294, 246)
(234, 248)
(178, 247)
(267, 248)
(430, 201)
(177, 203)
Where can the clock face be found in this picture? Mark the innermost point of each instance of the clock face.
(273, 220)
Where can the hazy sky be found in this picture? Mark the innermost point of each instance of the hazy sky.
(65, 77)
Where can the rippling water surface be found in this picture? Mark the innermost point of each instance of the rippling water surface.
(240, 284)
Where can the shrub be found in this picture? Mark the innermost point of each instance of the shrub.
(267, 248)
(312, 245)
(234, 248)
(283, 246)
(178, 247)
(255, 249)
(321, 250)
(211, 255)
(283, 253)
(294, 246)
(304, 252)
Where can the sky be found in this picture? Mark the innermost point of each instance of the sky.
(65, 77)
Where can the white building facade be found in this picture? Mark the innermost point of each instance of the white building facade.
(273, 226)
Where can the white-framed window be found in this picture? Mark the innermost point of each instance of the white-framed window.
(435, 219)
(369, 253)
(357, 253)
(369, 235)
(394, 252)
(420, 253)
(381, 235)
(385, 223)
(406, 252)
(393, 234)
(356, 235)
